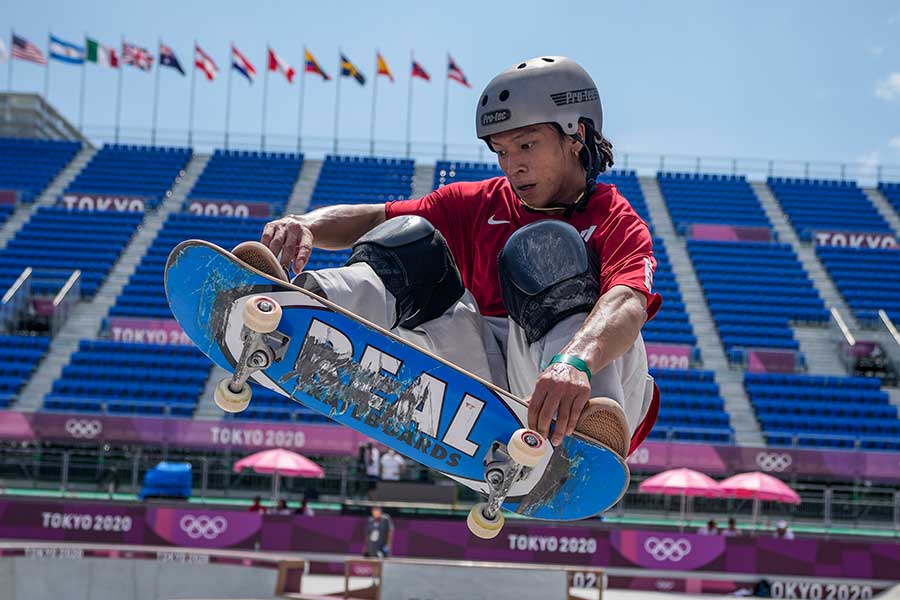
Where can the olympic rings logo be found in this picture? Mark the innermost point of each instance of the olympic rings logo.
(84, 428)
(773, 461)
(662, 549)
(203, 526)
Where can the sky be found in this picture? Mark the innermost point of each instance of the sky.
(794, 81)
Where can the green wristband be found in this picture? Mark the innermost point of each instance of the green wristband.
(574, 361)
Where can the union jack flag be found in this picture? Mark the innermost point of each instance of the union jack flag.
(136, 56)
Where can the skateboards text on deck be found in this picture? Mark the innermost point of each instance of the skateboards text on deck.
(295, 343)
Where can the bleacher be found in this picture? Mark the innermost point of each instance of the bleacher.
(691, 408)
(144, 295)
(891, 192)
(754, 291)
(267, 177)
(121, 378)
(447, 172)
(813, 204)
(57, 241)
(28, 166)
(823, 411)
(19, 356)
(120, 170)
(362, 180)
(867, 278)
(711, 199)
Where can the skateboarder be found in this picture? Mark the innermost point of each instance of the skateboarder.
(539, 281)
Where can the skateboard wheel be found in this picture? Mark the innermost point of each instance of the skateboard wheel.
(262, 314)
(230, 401)
(526, 447)
(482, 526)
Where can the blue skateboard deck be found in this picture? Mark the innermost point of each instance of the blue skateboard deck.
(363, 376)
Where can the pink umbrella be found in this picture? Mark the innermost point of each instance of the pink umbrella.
(681, 482)
(279, 462)
(758, 486)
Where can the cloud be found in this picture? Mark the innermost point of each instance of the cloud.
(895, 143)
(889, 88)
(868, 164)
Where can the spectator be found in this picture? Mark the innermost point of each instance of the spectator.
(731, 530)
(392, 466)
(257, 505)
(782, 531)
(281, 509)
(379, 534)
(709, 529)
(305, 509)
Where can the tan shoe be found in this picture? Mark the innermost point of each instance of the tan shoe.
(604, 420)
(260, 258)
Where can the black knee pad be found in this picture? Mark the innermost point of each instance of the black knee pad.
(413, 260)
(547, 273)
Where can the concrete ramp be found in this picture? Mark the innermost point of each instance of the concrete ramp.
(74, 573)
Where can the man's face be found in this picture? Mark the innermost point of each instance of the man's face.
(376, 512)
(541, 165)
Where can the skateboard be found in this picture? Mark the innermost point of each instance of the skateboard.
(312, 351)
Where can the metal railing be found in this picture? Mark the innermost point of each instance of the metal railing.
(429, 151)
(15, 300)
(106, 470)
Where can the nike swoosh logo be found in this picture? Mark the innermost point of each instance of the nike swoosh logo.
(493, 221)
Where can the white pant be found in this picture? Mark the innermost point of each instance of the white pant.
(479, 344)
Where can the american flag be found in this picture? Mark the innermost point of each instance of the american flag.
(25, 50)
(455, 73)
(136, 56)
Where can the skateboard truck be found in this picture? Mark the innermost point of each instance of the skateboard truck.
(503, 466)
(262, 347)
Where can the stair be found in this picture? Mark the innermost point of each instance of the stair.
(884, 208)
(423, 180)
(49, 197)
(805, 252)
(206, 404)
(820, 347)
(298, 203)
(85, 320)
(730, 381)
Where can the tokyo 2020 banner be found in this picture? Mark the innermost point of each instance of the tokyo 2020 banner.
(199, 527)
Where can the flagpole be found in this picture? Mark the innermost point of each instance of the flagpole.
(300, 109)
(83, 80)
(446, 103)
(228, 96)
(47, 73)
(156, 95)
(337, 101)
(374, 95)
(191, 108)
(119, 95)
(9, 72)
(412, 60)
(262, 135)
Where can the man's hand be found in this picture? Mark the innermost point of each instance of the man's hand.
(560, 389)
(292, 239)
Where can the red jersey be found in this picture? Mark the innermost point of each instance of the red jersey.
(477, 218)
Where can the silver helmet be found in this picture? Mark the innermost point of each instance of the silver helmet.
(549, 89)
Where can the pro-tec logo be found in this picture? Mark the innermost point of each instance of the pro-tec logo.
(575, 96)
(498, 116)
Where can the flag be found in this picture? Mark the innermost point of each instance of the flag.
(4, 55)
(240, 64)
(205, 63)
(136, 56)
(101, 55)
(66, 51)
(25, 50)
(383, 68)
(312, 65)
(167, 58)
(419, 71)
(455, 73)
(348, 69)
(276, 63)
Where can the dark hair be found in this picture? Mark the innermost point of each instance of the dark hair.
(596, 156)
